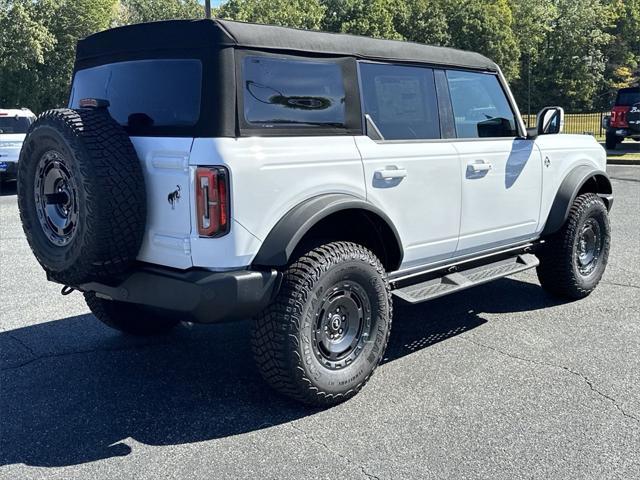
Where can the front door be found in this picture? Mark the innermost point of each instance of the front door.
(411, 174)
(501, 173)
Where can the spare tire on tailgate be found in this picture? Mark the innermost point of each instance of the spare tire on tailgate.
(81, 195)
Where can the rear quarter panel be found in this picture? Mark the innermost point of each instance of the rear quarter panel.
(269, 176)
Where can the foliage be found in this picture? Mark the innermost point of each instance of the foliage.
(574, 53)
(292, 13)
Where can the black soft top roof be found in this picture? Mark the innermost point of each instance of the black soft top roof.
(214, 34)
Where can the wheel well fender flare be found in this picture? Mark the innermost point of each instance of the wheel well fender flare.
(581, 179)
(284, 237)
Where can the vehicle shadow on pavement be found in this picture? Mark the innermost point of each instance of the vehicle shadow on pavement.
(73, 391)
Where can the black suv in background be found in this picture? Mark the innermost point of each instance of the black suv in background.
(624, 120)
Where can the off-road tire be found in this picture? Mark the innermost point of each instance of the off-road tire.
(111, 198)
(612, 140)
(559, 271)
(282, 335)
(130, 318)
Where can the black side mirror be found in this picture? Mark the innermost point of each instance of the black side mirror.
(550, 120)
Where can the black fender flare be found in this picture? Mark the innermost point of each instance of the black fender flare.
(280, 243)
(568, 191)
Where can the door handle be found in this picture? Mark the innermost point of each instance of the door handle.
(479, 166)
(390, 173)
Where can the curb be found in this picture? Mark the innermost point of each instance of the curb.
(621, 161)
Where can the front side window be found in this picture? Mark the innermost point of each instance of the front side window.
(146, 93)
(282, 92)
(480, 106)
(401, 100)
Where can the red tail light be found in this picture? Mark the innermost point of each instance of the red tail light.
(212, 201)
(619, 117)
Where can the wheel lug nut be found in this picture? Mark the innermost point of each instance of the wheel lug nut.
(340, 331)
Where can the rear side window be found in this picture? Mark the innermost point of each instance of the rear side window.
(146, 93)
(281, 92)
(401, 100)
(480, 106)
(15, 124)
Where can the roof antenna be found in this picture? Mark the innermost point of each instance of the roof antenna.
(207, 8)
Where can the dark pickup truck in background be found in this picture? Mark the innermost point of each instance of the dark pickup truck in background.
(624, 121)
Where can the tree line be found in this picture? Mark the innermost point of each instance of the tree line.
(573, 53)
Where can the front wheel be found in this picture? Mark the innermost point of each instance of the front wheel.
(573, 260)
(327, 330)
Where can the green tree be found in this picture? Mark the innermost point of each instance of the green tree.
(570, 65)
(485, 26)
(373, 18)
(623, 52)
(291, 13)
(138, 11)
(423, 21)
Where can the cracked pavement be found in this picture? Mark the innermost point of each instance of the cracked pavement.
(501, 381)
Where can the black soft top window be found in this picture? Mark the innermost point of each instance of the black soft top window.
(284, 92)
(144, 94)
(15, 124)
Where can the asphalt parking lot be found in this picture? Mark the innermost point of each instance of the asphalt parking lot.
(501, 381)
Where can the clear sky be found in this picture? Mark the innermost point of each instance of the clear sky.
(214, 3)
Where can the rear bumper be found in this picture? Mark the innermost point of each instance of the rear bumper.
(196, 295)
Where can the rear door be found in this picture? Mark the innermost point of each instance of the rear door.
(158, 102)
(501, 172)
(412, 175)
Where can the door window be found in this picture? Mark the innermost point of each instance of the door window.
(480, 106)
(401, 100)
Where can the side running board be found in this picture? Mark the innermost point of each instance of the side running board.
(453, 282)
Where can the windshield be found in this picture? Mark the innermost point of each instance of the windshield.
(145, 93)
(628, 97)
(14, 124)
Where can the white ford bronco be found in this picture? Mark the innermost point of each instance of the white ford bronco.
(211, 170)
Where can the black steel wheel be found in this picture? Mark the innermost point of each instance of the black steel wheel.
(56, 198)
(573, 260)
(327, 330)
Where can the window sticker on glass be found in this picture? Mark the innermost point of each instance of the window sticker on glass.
(399, 97)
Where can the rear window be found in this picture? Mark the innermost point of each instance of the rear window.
(14, 124)
(628, 97)
(282, 92)
(146, 93)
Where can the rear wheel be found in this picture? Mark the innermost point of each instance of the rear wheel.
(129, 317)
(612, 140)
(327, 330)
(573, 260)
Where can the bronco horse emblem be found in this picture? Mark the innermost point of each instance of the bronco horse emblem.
(173, 197)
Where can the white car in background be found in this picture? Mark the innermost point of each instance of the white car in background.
(14, 124)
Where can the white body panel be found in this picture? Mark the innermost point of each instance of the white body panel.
(165, 163)
(565, 152)
(501, 189)
(10, 145)
(270, 176)
(438, 210)
(424, 206)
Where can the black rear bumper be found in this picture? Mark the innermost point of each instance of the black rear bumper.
(196, 295)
